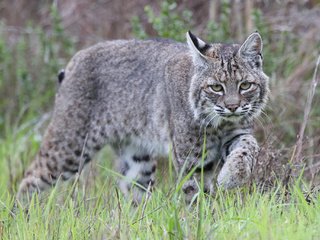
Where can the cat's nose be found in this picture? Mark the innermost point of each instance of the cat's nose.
(232, 107)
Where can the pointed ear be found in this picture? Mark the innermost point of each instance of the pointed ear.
(251, 50)
(197, 47)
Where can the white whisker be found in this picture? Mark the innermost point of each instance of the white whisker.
(207, 117)
(216, 115)
(268, 118)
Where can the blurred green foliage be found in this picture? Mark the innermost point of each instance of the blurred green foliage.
(29, 63)
(169, 23)
(220, 32)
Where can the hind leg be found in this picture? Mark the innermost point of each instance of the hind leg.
(138, 168)
(65, 149)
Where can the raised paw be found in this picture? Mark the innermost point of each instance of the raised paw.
(235, 172)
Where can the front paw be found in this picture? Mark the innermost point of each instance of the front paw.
(191, 190)
(235, 172)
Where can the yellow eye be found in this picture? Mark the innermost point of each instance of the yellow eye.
(216, 87)
(245, 85)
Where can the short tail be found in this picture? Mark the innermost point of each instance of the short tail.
(61, 75)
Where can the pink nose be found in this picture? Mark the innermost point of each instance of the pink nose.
(232, 107)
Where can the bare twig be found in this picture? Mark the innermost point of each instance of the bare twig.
(248, 9)
(11, 178)
(288, 170)
(156, 209)
(118, 231)
(12, 213)
(148, 195)
(307, 111)
(214, 10)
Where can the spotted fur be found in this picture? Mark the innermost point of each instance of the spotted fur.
(146, 97)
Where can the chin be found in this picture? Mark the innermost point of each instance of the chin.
(233, 119)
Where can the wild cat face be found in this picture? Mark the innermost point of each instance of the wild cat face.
(228, 82)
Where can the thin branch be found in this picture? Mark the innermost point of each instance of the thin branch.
(118, 231)
(148, 195)
(307, 111)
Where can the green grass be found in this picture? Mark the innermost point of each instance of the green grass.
(94, 208)
(104, 213)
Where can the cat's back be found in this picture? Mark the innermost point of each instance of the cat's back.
(121, 77)
(122, 64)
(132, 55)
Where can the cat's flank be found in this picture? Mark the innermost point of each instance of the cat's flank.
(145, 98)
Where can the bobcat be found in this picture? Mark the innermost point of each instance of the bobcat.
(146, 97)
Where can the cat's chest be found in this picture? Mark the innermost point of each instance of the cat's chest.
(216, 139)
(213, 144)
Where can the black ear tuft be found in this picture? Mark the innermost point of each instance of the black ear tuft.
(194, 39)
(200, 45)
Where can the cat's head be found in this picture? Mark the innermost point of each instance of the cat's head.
(228, 82)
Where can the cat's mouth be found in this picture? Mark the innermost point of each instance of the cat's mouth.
(232, 117)
(237, 115)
